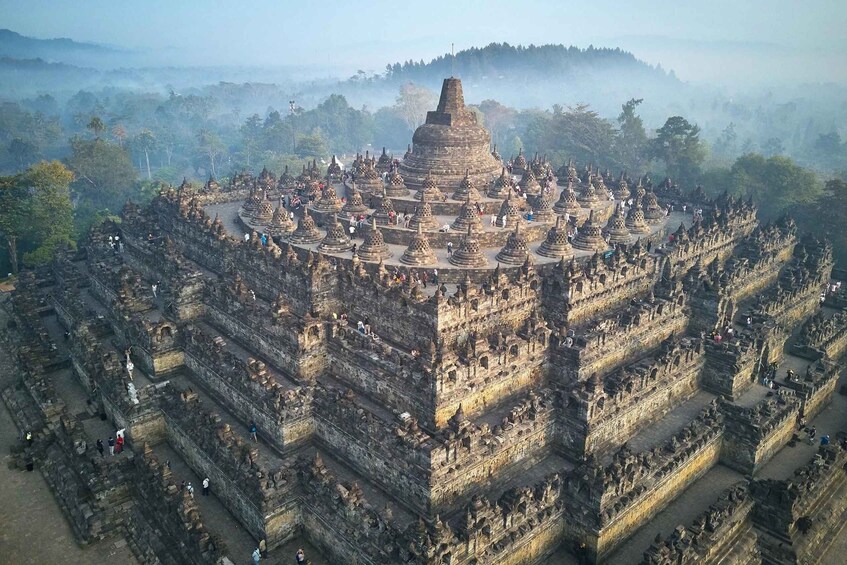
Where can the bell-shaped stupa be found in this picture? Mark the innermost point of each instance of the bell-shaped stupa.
(449, 143)
(373, 249)
(419, 252)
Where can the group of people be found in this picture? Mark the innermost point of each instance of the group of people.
(115, 444)
(261, 551)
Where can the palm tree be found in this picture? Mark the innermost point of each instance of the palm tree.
(96, 125)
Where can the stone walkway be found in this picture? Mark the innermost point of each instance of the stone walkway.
(33, 529)
(683, 510)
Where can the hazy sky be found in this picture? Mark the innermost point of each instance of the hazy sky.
(708, 40)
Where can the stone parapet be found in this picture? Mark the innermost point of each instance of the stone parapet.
(754, 435)
(600, 415)
(724, 528)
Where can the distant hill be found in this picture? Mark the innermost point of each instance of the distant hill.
(60, 50)
(501, 61)
(534, 76)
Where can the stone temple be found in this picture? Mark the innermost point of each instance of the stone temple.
(450, 144)
(557, 379)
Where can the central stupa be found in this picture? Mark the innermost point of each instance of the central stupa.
(450, 145)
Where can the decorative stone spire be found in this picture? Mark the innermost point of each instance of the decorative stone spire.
(589, 197)
(306, 232)
(286, 180)
(333, 171)
(495, 154)
(510, 210)
(396, 186)
(529, 183)
(556, 244)
(264, 211)
(354, 204)
(467, 189)
(501, 185)
(266, 180)
(429, 188)
(635, 221)
(616, 228)
(519, 163)
(541, 208)
(516, 250)
(419, 252)
(384, 162)
(212, 185)
(468, 254)
(590, 236)
(329, 202)
(622, 191)
(408, 152)
(370, 180)
(336, 240)
(281, 223)
(468, 217)
(639, 190)
(383, 214)
(423, 217)
(653, 213)
(252, 202)
(373, 249)
(567, 202)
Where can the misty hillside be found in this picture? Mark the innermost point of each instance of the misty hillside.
(499, 61)
(61, 50)
(528, 76)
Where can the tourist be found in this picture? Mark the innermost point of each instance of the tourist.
(100, 447)
(425, 278)
(354, 250)
(246, 237)
(155, 288)
(449, 248)
(111, 443)
(300, 556)
(254, 432)
(119, 444)
(129, 367)
(263, 547)
(360, 325)
(190, 490)
(493, 220)
(435, 277)
(257, 555)
(825, 440)
(367, 325)
(812, 433)
(352, 229)
(206, 486)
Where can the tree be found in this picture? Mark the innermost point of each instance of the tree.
(311, 145)
(15, 207)
(146, 142)
(251, 130)
(24, 152)
(96, 125)
(772, 147)
(104, 173)
(726, 143)
(632, 139)
(776, 184)
(414, 102)
(119, 133)
(210, 145)
(678, 145)
(52, 211)
(578, 133)
(499, 119)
